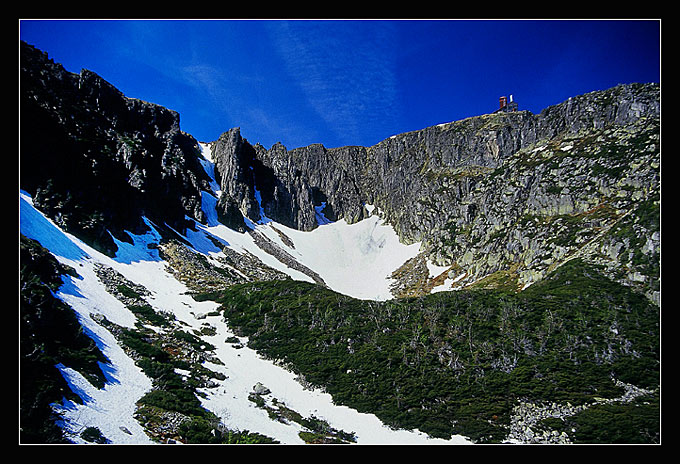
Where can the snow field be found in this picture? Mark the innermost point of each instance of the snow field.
(353, 259)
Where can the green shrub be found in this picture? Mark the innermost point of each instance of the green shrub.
(93, 435)
(147, 313)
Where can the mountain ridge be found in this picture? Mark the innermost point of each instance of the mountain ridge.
(490, 139)
(402, 182)
(408, 177)
(501, 206)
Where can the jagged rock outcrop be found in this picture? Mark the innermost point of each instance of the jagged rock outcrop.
(412, 166)
(510, 193)
(286, 186)
(234, 158)
(96, 161)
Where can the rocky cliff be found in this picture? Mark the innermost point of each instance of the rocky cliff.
(506, 196)
(499, 199)
(97, 161)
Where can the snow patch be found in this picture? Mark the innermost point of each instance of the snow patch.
(321, 218)
(353, 259)
(434, 270)
(448, 284)
(209, 166)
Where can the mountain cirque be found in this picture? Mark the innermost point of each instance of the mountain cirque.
(498, 199)
(504, 196)
(532, 216)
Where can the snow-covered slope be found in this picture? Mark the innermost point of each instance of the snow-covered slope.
(354, 259)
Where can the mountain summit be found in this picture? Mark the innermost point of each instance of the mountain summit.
(505, 252)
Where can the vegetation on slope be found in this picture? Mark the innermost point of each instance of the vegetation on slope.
(50, 334)
(458, 362)
(171, 410)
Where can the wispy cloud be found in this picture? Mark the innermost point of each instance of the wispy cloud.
(205, 78)
(346, 70)
(239, 73)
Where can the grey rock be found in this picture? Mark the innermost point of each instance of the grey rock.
(260, 389)
(466, 188)
(99, 161)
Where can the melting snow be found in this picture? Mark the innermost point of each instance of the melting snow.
(353, 259)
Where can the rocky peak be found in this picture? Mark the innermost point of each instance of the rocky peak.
(96, 161)
(401, 169)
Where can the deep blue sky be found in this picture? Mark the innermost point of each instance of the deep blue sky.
(348, 82)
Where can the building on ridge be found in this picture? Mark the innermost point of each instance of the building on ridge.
(506, 106)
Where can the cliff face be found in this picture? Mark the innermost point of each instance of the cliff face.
(395, 170)
(580, 179)
(95, 160)
(508, 195)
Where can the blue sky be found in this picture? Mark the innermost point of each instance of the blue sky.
(348, 82)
